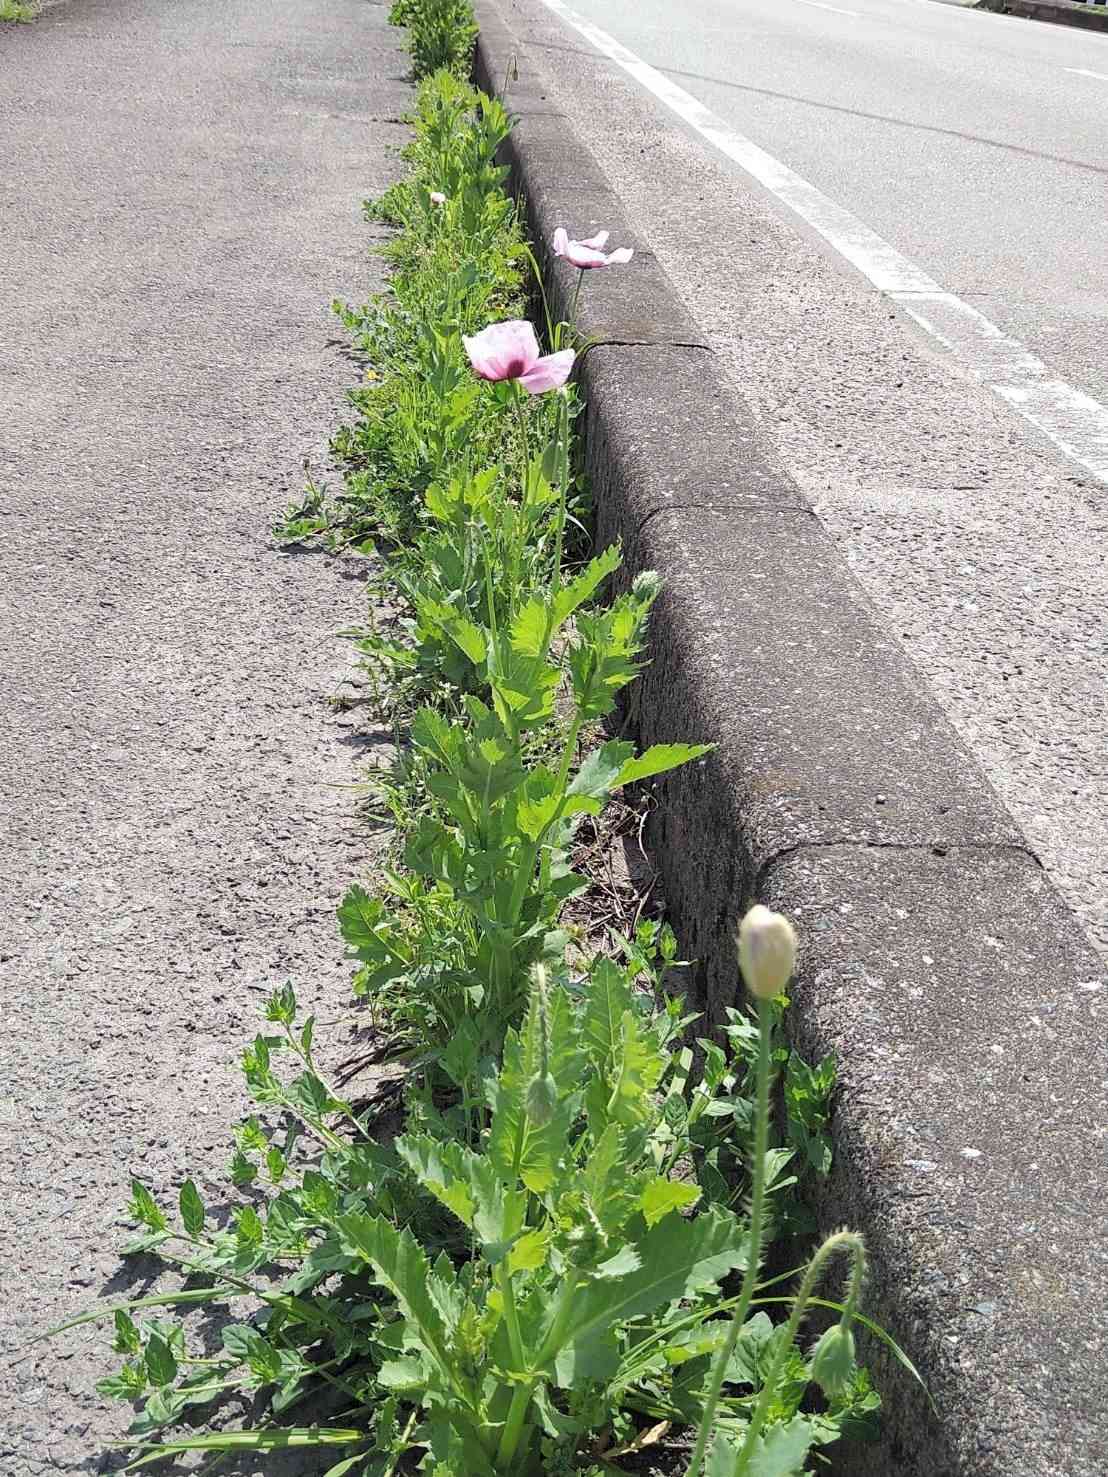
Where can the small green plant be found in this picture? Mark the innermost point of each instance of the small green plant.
(18, 10)
(441, 34)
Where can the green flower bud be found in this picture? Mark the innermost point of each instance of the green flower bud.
(542, 1098)
(832, 1365)
(646, 586)
(767, 952)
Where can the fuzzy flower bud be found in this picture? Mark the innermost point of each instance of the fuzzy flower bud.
(832, 1365)
(767, 952)
(646, 586)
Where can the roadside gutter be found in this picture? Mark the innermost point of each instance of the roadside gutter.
(964, 1005)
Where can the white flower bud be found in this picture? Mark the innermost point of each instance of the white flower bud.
(767, 952)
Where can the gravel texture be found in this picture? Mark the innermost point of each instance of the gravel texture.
(181, 195)
(979, 546)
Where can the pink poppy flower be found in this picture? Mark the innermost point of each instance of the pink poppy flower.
(437, 197)
(510, 351)
(590, 253)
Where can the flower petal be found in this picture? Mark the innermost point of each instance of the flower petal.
(549, 373)
(559, 241)
(620, 255)
(595, 243)
(502, 350)
(582, 256)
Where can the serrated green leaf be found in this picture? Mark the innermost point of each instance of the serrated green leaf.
(781, 1451)
(638, 1069)
(619, 1264)
(608, 999)
(598, 775)
(530, 1251)
(359, 916)
(467, 1184)
(662, 1196)
(401, 1265)
(406, 1373)
(678, 1257)
(583, 586)
(248, 1227)
(608, 1185)
(127, 1384)
(723, 1455)
(192, 1209)
(659, 759)
(529, 628)
(467, 636)
(144, 1209)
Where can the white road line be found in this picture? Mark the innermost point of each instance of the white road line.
(1074, 421)
(815, 5)
(1081, 72)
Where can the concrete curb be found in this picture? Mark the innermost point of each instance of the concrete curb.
(959, 995)
(1064, 12)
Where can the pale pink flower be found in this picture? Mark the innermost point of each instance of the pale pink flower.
(590, 253)
(437, 197)
(510, 351)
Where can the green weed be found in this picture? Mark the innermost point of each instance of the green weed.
(18, 10)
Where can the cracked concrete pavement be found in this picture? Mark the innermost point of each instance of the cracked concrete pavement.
(181, 200)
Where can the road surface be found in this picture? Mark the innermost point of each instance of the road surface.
(875, 209)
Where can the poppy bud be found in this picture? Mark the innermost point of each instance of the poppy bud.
(767, 952)
(832, 1365)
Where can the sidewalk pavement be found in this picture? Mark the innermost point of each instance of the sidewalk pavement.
(181, 201)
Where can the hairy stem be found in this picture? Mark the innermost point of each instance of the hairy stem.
(841, 1241)
(754, 1254)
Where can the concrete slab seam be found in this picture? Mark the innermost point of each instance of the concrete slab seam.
(923, 848)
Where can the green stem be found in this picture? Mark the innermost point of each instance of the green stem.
(576, 295)
(530, 853)
(840, 1241)
(564, 1312)
(754, 1255)
(562, 442)
(521, 1395)
(525, 444)
(513, 1426)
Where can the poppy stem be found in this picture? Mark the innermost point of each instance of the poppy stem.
(576, 295)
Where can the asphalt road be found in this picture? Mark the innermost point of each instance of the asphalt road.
(181, 195)
(974, 145)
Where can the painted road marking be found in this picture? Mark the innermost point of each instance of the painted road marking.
(1074, 421)
(815, 5)
(1081, 72)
